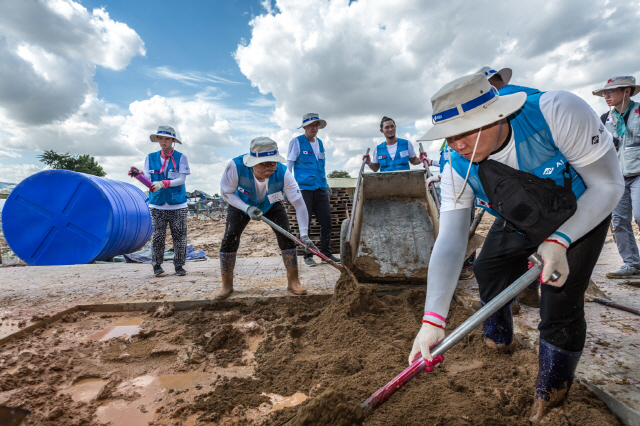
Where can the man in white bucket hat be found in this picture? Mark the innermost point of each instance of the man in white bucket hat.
(306, 160)
(168, 170)
(623, 121)
(254, 185)
(553, 135)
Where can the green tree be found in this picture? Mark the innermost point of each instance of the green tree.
(338, 174)
(77, 163)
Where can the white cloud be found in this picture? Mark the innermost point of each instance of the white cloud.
(190, 78)
(354, 62)
(14, 173)
(9, 154)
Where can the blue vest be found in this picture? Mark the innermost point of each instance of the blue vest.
(247, 185)
(511, 88)
(172, 195)
(388, 164)
(309, 171)
(537, 153)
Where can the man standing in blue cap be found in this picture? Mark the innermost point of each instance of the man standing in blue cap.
(306, 160)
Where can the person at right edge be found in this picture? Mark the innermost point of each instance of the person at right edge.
(537, 134)
(623, 121)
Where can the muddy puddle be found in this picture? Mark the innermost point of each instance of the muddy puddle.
(257, 365)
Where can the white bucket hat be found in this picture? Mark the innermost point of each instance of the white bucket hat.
(468, 103)
(262, 150)
(312, 117)
(504, 73)
(617, 82)
(165, 131)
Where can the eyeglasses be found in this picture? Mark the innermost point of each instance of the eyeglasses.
(607, 93)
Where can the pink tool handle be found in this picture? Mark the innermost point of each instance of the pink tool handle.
(314, 251)
(385, 392)
(143, 180)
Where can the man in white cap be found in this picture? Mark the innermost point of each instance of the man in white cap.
(553, 136)
(168, 170)
(306, 160)
(254, 185)
(623, 122)
(393, 154)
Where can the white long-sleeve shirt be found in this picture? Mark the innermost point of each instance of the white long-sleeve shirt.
(229, 185)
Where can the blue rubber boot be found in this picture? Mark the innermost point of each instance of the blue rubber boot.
(290, 259)
(498, 329)
(227, 264)
(556, 368)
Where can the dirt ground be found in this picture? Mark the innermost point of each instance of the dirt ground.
(236, 364)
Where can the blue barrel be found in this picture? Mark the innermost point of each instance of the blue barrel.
(60, 217)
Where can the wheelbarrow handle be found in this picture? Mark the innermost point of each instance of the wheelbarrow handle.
(434, 193)
(419, 365)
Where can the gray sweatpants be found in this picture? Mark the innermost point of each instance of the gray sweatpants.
(627, 208)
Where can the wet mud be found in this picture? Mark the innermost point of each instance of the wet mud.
(316, 358)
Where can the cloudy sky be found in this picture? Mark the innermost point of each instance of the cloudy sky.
(98, 76)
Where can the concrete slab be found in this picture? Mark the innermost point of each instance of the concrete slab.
(610, 365)
(35, 291)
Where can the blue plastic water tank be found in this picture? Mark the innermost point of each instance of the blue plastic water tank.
(59, 217)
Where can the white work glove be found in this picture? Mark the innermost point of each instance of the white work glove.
(308, 243)
(254, 212)
(329, 191)
(155, 186)
(367, 159)
(427, 337)
(554, 258)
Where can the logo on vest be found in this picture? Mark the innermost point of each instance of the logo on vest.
(595, 139)
(483, 203)
(548, 170)
(244, 191)
(307, 152)
(380, 157)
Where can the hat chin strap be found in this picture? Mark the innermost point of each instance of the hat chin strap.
(473, 154)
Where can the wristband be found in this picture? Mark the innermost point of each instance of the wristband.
(166, 183)
(430, 323)
(438, 316)
(548, 240)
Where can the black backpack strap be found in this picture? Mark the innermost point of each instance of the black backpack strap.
(566, 174)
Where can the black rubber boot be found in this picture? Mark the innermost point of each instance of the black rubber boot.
(157, 270)
(498, 329)
(556, 368)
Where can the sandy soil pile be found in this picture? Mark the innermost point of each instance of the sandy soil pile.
(337, 351)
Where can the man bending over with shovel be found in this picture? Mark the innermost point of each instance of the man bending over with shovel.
(545, 164)
(254, 185)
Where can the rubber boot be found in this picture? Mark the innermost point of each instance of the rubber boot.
(498, 329)
(555, 375)
(227, 264)
(290, 259)
(530, 295)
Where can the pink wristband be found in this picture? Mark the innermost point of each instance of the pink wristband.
(433, 314)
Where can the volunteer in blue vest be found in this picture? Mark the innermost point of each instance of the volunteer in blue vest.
(306, 159)
(623, 122)
(393, 154)
(254, 185)
(553, 135)
(168, 170)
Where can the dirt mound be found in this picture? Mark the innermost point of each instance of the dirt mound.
(337, 351)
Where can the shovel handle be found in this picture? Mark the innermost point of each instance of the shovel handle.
(384, 393)
(612, 304)
(297, 241)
